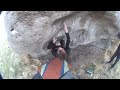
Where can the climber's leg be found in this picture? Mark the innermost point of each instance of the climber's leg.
(1, 77)
(112, 58)
(0, 12)
(68, 75)
(117, 59)
(37, 76)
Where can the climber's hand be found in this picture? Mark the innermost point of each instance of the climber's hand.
(65, 28)
(54, 39)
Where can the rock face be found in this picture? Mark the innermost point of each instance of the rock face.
(93, 34)
(30, 32)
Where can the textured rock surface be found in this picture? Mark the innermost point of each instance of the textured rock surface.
(29, 32)
(93, 36)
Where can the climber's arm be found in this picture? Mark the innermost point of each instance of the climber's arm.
(68, 37)
(65, 28)
(68, 40)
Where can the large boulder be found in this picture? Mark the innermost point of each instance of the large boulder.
(30, 31)
(93, 36)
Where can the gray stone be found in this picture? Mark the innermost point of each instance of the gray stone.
(90, 70)
(30, 31)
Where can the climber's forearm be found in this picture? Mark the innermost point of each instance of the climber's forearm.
(68, 40)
